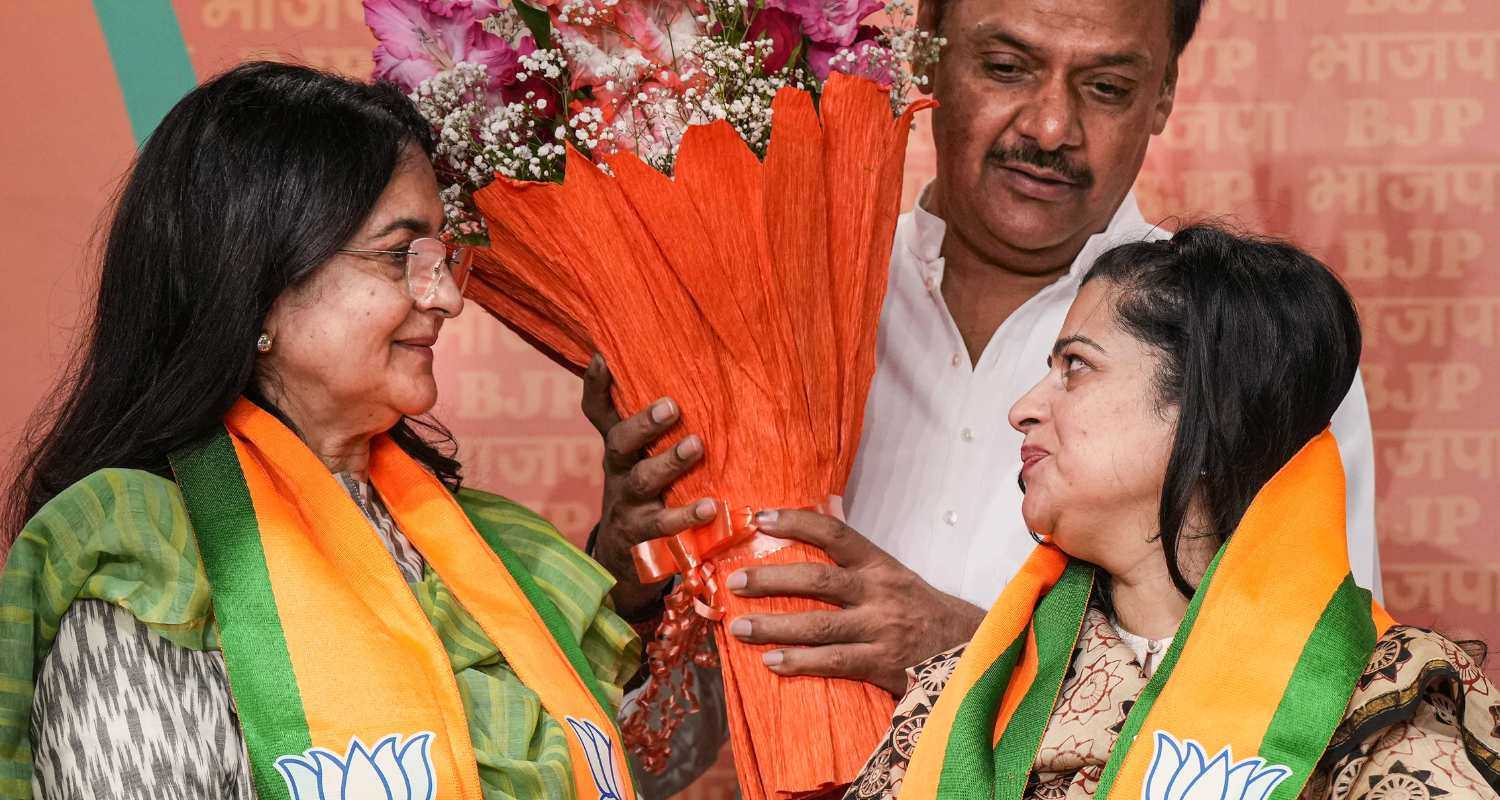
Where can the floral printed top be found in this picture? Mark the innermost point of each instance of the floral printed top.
(1424, 723)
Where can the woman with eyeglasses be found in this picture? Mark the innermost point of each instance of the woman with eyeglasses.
(240, 564)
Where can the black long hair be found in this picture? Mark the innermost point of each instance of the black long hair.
(1259, 343)
(250, 182)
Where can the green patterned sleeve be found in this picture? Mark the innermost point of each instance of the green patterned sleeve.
(118, 535)
(575, 583)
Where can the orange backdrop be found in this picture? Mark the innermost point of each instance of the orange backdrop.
(1366, 130)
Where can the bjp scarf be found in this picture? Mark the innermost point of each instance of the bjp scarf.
(342, 687)
(1243, 703)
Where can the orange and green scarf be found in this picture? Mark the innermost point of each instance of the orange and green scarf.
(340, 682)
(1243, 703)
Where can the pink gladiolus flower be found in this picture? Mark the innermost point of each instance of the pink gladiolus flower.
(416, 42)
(660, 29)
(782, 28)
(830, 22)
(478, 8)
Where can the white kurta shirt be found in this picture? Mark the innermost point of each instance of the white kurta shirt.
(935, 481)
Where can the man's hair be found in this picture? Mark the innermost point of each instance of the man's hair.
(1185, 15)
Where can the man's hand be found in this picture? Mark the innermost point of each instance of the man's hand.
(632, 509)
(889, 619)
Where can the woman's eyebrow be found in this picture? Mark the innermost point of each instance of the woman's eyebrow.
(1076, 338)
(413, 224)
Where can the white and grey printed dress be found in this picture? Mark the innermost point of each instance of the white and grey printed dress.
(121, 713)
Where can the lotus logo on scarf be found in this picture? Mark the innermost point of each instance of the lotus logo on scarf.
(600, 751)
(1182, 771)
(389, 771)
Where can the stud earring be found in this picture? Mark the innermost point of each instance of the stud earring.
(263, 344)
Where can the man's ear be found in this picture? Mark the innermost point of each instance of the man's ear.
(1165, 100)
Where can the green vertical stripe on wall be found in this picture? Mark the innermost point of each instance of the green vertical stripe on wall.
(150, 58)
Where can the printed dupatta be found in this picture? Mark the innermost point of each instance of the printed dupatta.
(338, 678)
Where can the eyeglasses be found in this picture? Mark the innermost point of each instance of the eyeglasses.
(426, 260)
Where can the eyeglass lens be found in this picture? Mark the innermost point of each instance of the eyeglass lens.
(424, 268)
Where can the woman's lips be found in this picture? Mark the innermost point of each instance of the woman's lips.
(422, 345)
(1030, 455)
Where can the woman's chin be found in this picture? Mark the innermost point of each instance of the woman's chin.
(417, 400)
(1039, 518)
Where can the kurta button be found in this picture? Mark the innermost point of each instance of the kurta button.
(951, 517)
(955, 360)
(967, 434)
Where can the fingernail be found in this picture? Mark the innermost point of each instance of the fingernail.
(596, 363)
(772, 658)
(689, 447)
(766, 520)
(737, 580)
(704, 509)
(740, 628)
(663, 410)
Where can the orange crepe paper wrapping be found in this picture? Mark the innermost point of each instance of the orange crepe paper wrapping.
(748, 291)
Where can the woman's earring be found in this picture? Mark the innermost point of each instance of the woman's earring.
(263, 344)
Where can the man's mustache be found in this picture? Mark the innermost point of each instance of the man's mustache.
(1053, 161)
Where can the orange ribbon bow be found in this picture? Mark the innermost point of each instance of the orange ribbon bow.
(689, 553)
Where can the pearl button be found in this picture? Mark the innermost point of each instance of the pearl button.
(951, 517)
(955, 361)
(967, 434)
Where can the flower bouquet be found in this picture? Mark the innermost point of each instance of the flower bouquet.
(705, 192)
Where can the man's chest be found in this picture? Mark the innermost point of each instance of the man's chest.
(935, 484)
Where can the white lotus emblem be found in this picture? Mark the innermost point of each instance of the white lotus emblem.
(1182, 771)
(389, 771)
(599, 749)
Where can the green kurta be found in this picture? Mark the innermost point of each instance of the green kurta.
(123, 537)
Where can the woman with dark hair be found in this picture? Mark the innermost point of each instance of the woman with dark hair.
(1187, 627)
(245, 569)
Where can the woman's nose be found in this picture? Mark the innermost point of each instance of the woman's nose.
(447, 301)
(1030, 410)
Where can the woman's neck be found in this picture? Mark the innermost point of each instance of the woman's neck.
(343, 453)
(1145, 600)
(341, 443)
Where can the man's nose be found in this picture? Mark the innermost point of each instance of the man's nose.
(1050, 118)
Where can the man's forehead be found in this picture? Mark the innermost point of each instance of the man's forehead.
(1069, 27)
